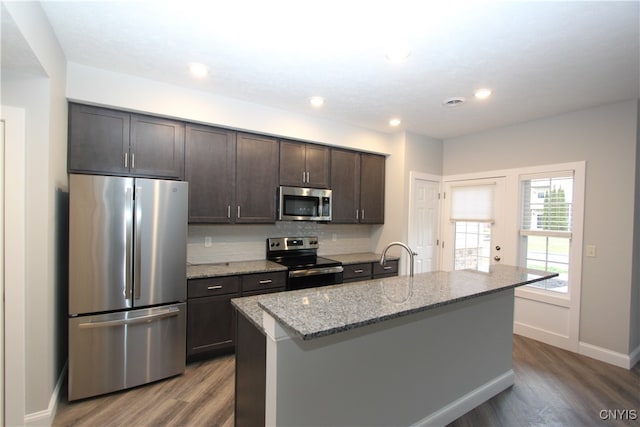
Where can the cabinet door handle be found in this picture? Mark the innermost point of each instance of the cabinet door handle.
(388, 267)
(308, 177)
(228, 211)
(304, 177)
(363, 214)
(213, 288)
(238, 216)
(133, 160)
(126, 160)
(265, 282)
(357, 214)
(358, 271)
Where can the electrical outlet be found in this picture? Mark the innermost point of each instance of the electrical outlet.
(207, 241)
(591, 250)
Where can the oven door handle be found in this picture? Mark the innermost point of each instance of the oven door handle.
(316, 271)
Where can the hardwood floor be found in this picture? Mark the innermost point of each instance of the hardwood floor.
(202, 396)
(553, 387)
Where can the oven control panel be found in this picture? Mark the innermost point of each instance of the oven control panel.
(292, 243)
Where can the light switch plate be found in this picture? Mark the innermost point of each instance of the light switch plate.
(207, 242)
(591, 250)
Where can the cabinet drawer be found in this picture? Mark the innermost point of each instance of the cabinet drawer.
(357, 271)
(389, 269)
(213, 286)
(258, 281)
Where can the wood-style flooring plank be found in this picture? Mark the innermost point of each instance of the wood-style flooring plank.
(553, 387)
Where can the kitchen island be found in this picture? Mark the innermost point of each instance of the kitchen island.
(394, 351)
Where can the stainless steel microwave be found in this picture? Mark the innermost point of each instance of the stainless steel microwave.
(304, 204)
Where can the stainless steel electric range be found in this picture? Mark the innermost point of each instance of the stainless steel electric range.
(306, 268)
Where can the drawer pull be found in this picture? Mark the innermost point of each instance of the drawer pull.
(358, 271)
(213, 288)
(388, 267)
(265, 282)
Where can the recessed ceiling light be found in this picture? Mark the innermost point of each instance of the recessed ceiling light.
(395, 122)
(482, 93)
(455, 101)
(198, 70)
(316, 101)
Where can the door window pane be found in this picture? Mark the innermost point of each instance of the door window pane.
(472, 245)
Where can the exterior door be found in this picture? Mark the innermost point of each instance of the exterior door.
(423, 222)
(473, 224)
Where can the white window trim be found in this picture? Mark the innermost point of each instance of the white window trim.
(575, 251)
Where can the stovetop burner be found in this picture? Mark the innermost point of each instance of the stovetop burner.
(306, 268)
(297, 253)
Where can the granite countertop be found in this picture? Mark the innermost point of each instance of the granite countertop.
(317, 312)
(197, 271)
(359, 257)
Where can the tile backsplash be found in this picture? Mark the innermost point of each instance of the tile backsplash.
(225, 243)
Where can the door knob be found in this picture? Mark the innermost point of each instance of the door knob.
(498, 247)
(497, 258)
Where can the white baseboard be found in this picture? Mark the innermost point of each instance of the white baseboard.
(461, 406)
(45, 418)
(622, 360)
(543, 335)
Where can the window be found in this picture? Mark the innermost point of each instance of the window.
(546, 227)
(472, 214)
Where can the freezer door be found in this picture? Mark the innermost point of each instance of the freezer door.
(160, 249)
(100, 243)
(115, 351)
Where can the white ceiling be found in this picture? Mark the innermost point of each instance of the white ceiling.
(539, 58)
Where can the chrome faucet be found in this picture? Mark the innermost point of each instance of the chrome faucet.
(411, 255)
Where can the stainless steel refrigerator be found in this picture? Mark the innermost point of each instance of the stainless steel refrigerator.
(127, 282)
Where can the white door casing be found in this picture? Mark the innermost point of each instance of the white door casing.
(424, 220)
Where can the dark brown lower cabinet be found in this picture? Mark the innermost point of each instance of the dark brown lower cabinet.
(369, 270)
(211, 320)
(251, 373)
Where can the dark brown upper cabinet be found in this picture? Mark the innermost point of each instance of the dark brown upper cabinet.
(358, 185)
(256, 179)
(111, 142)
(210, 168)
(304, 165)
(232, 176)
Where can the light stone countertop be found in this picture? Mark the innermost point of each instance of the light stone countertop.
(317, 312)
(198, 271)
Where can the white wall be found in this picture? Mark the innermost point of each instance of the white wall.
(46, 121)
(606, 137)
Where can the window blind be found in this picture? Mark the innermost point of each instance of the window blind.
(472, 203)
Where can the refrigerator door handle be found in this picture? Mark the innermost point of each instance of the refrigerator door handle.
(138, 243)
(128, 239)
(171, 312)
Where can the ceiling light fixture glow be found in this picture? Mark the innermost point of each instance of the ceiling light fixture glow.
(482, 93)
(395, 122)
(316, 101)
(198, 70)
